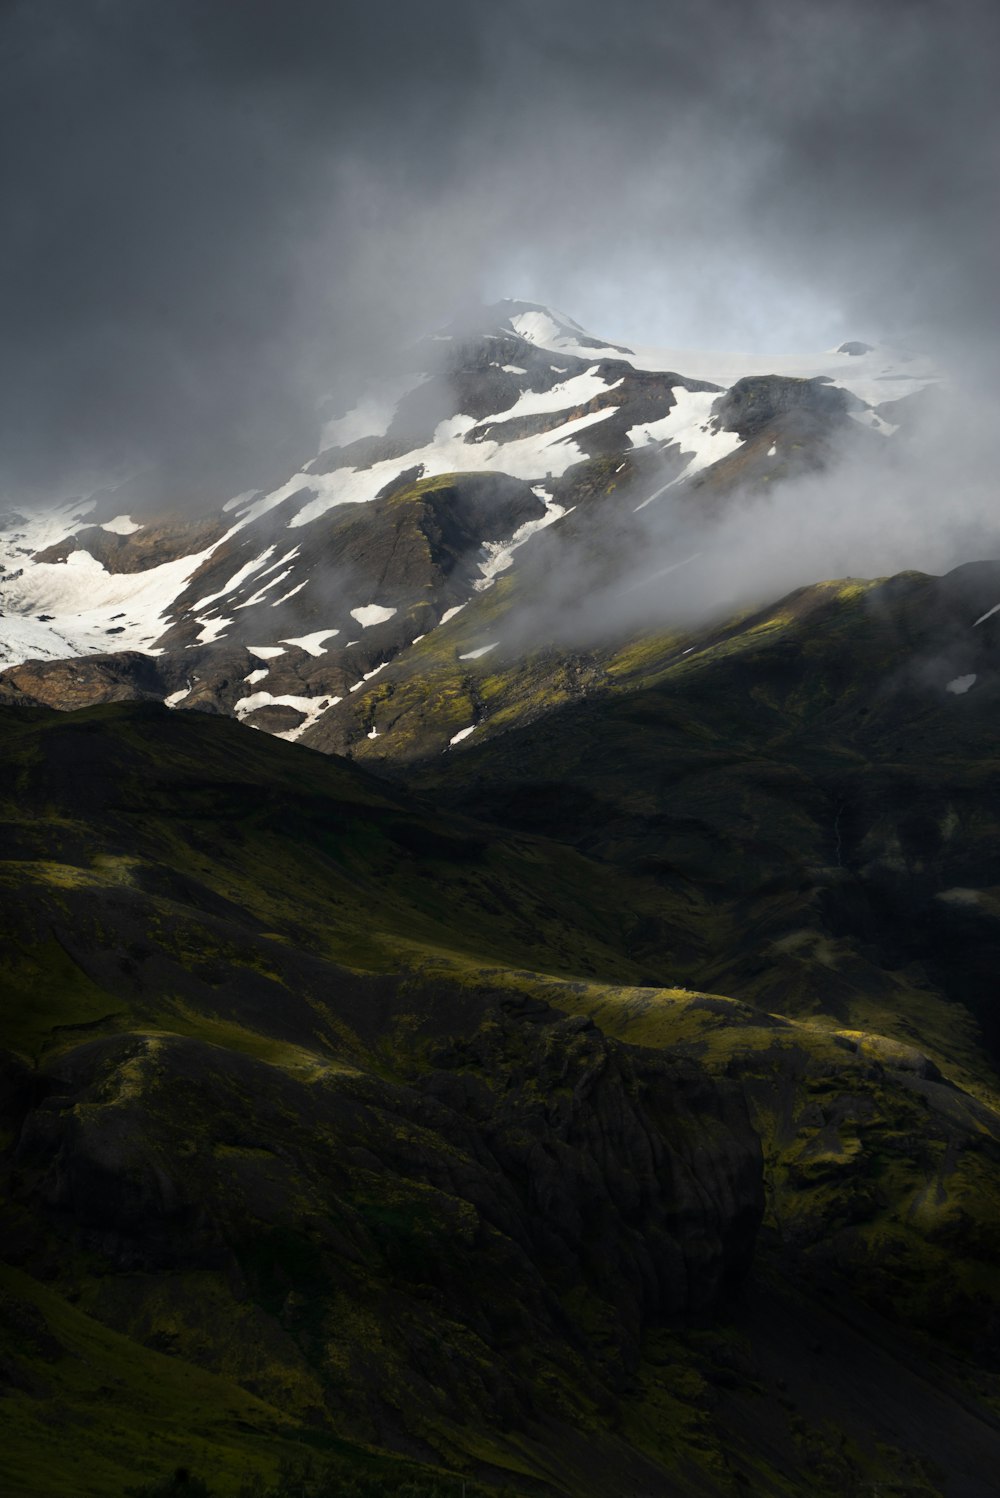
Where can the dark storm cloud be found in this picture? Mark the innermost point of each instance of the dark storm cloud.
(215, 212)
(173, 260)
(800, 155)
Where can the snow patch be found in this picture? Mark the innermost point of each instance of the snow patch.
(873, 423)
(961, 684)
(240, 499)
(257, 675)
(865, 375)
(313, 644)
(529, 458)
(265, 588)
(577, 391)
(538, 328)
(312, 707)
(689, 426)
(463, 733)
(371, 613)
(80, 594)
(288, 557)
(988, 615)
(240, 576)
(121, 525)
(286, 596)
(499, 555)
(552, 330)
(473, 655)
(266, 652)
(368, 676)
(212, 630)
(172, 699)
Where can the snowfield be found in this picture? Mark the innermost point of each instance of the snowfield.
(687, 425)
(76, 607)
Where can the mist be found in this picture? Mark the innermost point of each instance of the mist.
(220, 220)
(923, 499)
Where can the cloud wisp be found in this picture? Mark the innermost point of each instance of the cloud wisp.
(923, 499)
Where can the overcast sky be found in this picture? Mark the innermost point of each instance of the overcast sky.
(213, 210)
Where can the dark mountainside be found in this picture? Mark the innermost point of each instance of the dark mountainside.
(572, 1068)
(343, 1121)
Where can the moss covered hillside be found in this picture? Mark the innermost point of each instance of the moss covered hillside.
(608, 1108)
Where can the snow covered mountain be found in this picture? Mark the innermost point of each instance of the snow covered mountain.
(286, 606)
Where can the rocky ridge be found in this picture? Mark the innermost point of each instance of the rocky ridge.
(282, 606)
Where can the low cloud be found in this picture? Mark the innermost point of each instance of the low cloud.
(922, 499)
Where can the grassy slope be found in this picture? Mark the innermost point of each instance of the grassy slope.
(828, 812)
(803, 789)
(181, 861)
(791, 778)
(190, 883)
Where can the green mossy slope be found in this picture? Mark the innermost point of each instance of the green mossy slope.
(397, 1129)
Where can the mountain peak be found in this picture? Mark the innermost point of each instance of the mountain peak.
(536, 323)
(307, 598)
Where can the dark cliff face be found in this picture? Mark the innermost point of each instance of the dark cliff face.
(756, 401)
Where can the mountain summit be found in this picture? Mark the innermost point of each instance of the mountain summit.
(284, 605)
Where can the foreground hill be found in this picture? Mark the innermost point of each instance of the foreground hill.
(391, 1126)
(812, 788)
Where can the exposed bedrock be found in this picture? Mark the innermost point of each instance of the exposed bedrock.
(753, 402)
